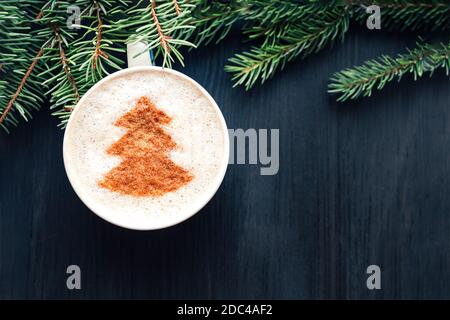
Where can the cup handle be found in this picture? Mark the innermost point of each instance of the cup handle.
(137, 57)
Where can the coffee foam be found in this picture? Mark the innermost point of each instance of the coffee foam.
(196, 127)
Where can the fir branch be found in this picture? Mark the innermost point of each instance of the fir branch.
(275, 22)
(98, 50)
(260, 63)
(22, 83)
(58, 76)
(42, 10)
(375, 74)
(177, 7)
(95, 51)
(263, 12)
(160, 26)
(280, 21)
(91, 56)
(20, 55)
(163, 38)
(214, 20)
(65, 63)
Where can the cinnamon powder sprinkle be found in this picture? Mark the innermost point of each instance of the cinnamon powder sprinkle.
(146, 168)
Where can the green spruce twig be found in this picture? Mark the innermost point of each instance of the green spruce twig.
(162, 24)
(59, 78)
(20, 55)
(307, 37)
(213, 20)
(89, 58)
(374, 74)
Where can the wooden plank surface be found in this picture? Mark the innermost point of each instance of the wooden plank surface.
(359, 184)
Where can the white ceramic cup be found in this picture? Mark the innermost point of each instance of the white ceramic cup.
(140, 63)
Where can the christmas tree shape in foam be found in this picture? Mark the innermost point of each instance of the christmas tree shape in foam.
(146, 168)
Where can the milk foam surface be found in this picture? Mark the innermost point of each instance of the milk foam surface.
(196, 127)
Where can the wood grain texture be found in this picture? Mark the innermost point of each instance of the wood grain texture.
(359, 183)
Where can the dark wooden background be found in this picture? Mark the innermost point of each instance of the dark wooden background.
(359, 184)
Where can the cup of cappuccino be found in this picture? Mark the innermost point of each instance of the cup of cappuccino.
(146, 147)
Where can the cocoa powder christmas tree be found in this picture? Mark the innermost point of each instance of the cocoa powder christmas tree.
(146, 168)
